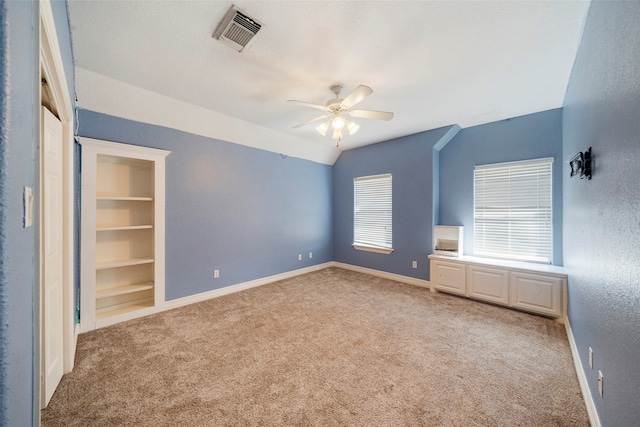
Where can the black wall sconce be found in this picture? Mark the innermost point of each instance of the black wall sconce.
(581, 164)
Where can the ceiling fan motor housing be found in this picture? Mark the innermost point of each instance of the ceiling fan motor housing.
(335, 106)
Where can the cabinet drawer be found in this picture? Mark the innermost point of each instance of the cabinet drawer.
(450, 277)
(537, 293)
(488, 284)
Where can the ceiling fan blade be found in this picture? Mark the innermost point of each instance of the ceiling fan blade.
(370, 114)
(315, 119)
(308, 104)
(358, 94)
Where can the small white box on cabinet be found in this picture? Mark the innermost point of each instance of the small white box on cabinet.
(447, 240)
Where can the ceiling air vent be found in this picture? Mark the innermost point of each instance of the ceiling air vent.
(236, 29)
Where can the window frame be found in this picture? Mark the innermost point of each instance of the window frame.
(380, 244)
(528, 232)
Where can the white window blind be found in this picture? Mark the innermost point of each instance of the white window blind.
(513, 212)
(372, 211)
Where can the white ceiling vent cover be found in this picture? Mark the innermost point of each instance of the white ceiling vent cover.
(236, 29)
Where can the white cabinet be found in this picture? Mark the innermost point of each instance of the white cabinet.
(449, 277)
(122, 232)
(489, 284)
(535, 288)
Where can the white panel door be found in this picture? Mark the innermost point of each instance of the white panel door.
(51, 254)
(536, 292)
(489, 284)
(450, 277)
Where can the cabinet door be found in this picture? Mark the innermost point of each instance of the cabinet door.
(450, 277)
(488, 284)
(537, 292)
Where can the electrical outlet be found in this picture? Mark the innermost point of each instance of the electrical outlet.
(590, 358)
(414, 264)
(310, 255)
(299, 257)
(216, 274)
(600, 383)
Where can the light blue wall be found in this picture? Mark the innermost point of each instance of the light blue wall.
(244, 211)
(409, 160)
(602, 216)
(61, 20)
(527, 137)
(19, 101)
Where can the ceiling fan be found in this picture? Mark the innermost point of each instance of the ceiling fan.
(337, 107)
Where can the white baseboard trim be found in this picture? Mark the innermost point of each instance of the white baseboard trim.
(391, 276)
(191, 299)
(71, 362)
(203, 296)
(582, 379)
(75, 344)
(180, 302)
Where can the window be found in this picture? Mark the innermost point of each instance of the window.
(372, 213)
(512, 212)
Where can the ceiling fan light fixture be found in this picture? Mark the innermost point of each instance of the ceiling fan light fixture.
(338, 123)
(322, 129)
(337, 134)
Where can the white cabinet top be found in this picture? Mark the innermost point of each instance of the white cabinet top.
(512, 265)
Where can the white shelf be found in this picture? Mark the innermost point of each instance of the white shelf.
(125, 198)
(125, 227)
(105, 313)
(101, 265)
(122, 290)
(511, 265)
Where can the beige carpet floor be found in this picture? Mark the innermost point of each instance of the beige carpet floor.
(330, 348)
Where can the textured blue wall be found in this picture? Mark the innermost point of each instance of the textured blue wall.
(527, 137)
(19, 334)
(244, 211)
(409, 160)
(602, 216)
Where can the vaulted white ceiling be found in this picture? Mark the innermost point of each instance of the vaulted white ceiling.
(433, 63)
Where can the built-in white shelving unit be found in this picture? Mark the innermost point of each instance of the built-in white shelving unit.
(122, 232)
